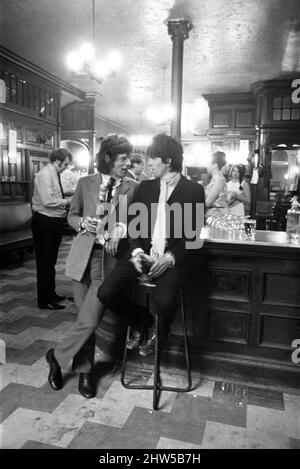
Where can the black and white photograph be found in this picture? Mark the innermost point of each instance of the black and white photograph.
(149, 229)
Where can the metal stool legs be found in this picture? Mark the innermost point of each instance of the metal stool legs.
(156, 386)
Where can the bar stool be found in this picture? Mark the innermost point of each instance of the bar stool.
(157, 387)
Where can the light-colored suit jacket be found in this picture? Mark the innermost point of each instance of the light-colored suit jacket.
(84, 204)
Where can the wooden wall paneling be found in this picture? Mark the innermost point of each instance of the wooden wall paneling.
(227, 283)
(229, 326)
(281, 289)
(244, 118)
(249, 317)
(278, 332)
(221, 119)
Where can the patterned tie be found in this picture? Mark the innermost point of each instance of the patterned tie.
(159, 232)
(110, 186)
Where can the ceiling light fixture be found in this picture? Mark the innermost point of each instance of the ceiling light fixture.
(84, 63)
(163, 114)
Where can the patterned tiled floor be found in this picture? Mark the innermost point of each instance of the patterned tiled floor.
(214, 415)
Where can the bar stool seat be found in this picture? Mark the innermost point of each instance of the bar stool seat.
(157, 387)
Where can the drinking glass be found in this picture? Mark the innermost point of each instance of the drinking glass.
(145, 279)
(250, 226)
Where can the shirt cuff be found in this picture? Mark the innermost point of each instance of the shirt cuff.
(124, 228)
(136, 251)
(80, 224)
(170, 256)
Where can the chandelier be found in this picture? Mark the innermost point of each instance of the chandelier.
(161, 114)
(83, 62)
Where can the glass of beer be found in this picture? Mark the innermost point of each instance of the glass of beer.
(250, 226)
(145, 279)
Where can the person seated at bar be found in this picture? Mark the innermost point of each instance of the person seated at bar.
(238, 192)
(88, 262)
(159, 247)
(216, 190)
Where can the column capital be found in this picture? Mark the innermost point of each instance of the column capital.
(179, 28)
(93, 97)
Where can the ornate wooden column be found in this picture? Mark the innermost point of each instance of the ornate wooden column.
(178, 29)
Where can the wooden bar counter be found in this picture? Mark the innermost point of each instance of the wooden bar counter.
(243, 310)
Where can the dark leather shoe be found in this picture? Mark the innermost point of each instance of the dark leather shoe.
(86, 385)
(57, 298)
(50, 305)
(135, 339)
(148, 348)
(55, 376)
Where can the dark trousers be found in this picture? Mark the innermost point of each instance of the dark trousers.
(116, 293)
(47, 234)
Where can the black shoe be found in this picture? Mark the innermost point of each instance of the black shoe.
(50, 305)
(148, 348)
(57, 298)
(55, 376)
(86, 385)
(136, 338)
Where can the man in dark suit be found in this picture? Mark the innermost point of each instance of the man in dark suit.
(165, 245)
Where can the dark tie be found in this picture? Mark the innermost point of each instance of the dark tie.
(60, 185)
(110, 186)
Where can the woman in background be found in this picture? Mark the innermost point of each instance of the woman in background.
(216, 190)
(238, 192)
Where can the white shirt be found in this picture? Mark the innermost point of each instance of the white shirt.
(47, 197)
(133, 175)
(172, 180)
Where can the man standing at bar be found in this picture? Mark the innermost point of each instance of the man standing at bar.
(49, 213)
(101, 241)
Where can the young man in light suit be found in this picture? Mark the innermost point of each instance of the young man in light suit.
(88, 259)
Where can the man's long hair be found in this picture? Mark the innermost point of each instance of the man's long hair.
(112, 146)
(168, 149)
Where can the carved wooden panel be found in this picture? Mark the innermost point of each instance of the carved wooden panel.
(281, 289)
(35, 162)
(244, 118)
(28, 95)
(40, 137)
(78, 115)
(221, 119)
(229, 283)
(278, 331)
(229, 326)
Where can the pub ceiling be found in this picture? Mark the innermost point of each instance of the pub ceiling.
(232, 45)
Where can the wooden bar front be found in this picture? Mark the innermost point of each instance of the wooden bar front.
(243, 309)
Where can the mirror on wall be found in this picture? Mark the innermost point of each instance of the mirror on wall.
(285, 170)
(79, 166)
